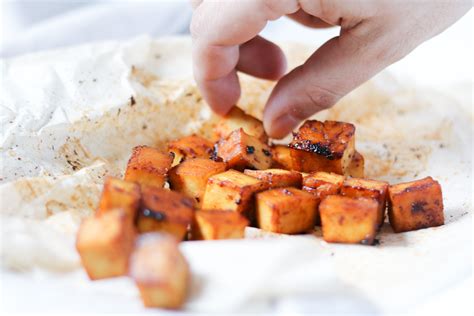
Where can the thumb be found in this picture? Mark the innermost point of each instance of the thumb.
(337, 67)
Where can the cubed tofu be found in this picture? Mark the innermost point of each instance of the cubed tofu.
(322, 184)
(371, 189)
(286, 211)
(240, 150)
(216, 224)
(104, 243)
(190, 177)
(281, 157)
(349, 220)
(323, 146)
(148, 166)
(237, 119)
(165, 211)
(277, 178)
(188, 147)
(122, 194)
(356, 167)
(160, 271)
(232, 191)
(415, 205)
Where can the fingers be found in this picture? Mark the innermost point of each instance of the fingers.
(337, 67)
(218, 28)
(308, 20)
(262, 58)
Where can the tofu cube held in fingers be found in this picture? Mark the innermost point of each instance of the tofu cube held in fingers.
(281, 157)
(190, 177)
(286, 211)
(121, 194)
(148, 166)
(216, 224)
(165, 211)
(104, 243)
(240, 150)
(160, 271)
(415, 205)
(371, 189)
(232, 191)
(323, 146)
(349, 220)
(236, 119)
(356, 168)
(189, 147)
(277, 178)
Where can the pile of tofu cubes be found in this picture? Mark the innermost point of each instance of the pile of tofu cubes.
(218, 187)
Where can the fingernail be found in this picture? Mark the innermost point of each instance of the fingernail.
(281, 126)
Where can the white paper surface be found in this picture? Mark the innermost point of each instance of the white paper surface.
(72, 115)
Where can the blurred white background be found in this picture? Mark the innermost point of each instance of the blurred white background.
(33, 25)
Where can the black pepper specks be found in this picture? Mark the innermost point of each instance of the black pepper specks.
(250, 150)
(266, 152)
(156, 215)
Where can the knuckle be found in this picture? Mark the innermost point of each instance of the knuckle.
(320, 98)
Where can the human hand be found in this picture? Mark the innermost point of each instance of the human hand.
(374, 34)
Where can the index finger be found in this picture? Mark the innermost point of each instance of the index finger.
(218, 28)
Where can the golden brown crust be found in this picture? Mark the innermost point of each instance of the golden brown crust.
(148, 166)
(189, 147)
(372, 189)
(121, 194)
(216, 224)
(240, 150)
(348, 220)
(281, 157)
(415, 205)
(277, 178)
(165, 211)
(235, 119)
(356, 168)
(286, 210)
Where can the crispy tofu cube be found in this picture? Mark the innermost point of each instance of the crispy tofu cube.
(286, 211)
(349, 220)
(104, 243)
(122, 194)
(415, 205)
(148, 166)
(232, 191)
(371, 189)
(240, 150)
(281, 157)
(277, 178)
(188, 147)
(190, 177)
(356, 167)
(216, 224)
(237, 119)
(160, 271)
(323, 146)
(165, 211)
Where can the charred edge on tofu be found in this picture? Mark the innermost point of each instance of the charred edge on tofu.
(317, 148)
(156, 215)
(214, 156)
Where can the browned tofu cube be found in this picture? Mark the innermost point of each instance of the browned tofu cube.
(371, 189)
(104, 243)
(188, 147)
(232, 191)
(216, 224)
(277, 178)
(160, 271)
(349, 220)
(237, 119)
(119, 193)
(190, 177)
(286, 211)
(240, 150)
(356, 167)
(281, 157)
(148, 166)
(415, 205)
(323, 146)
(165, 211)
